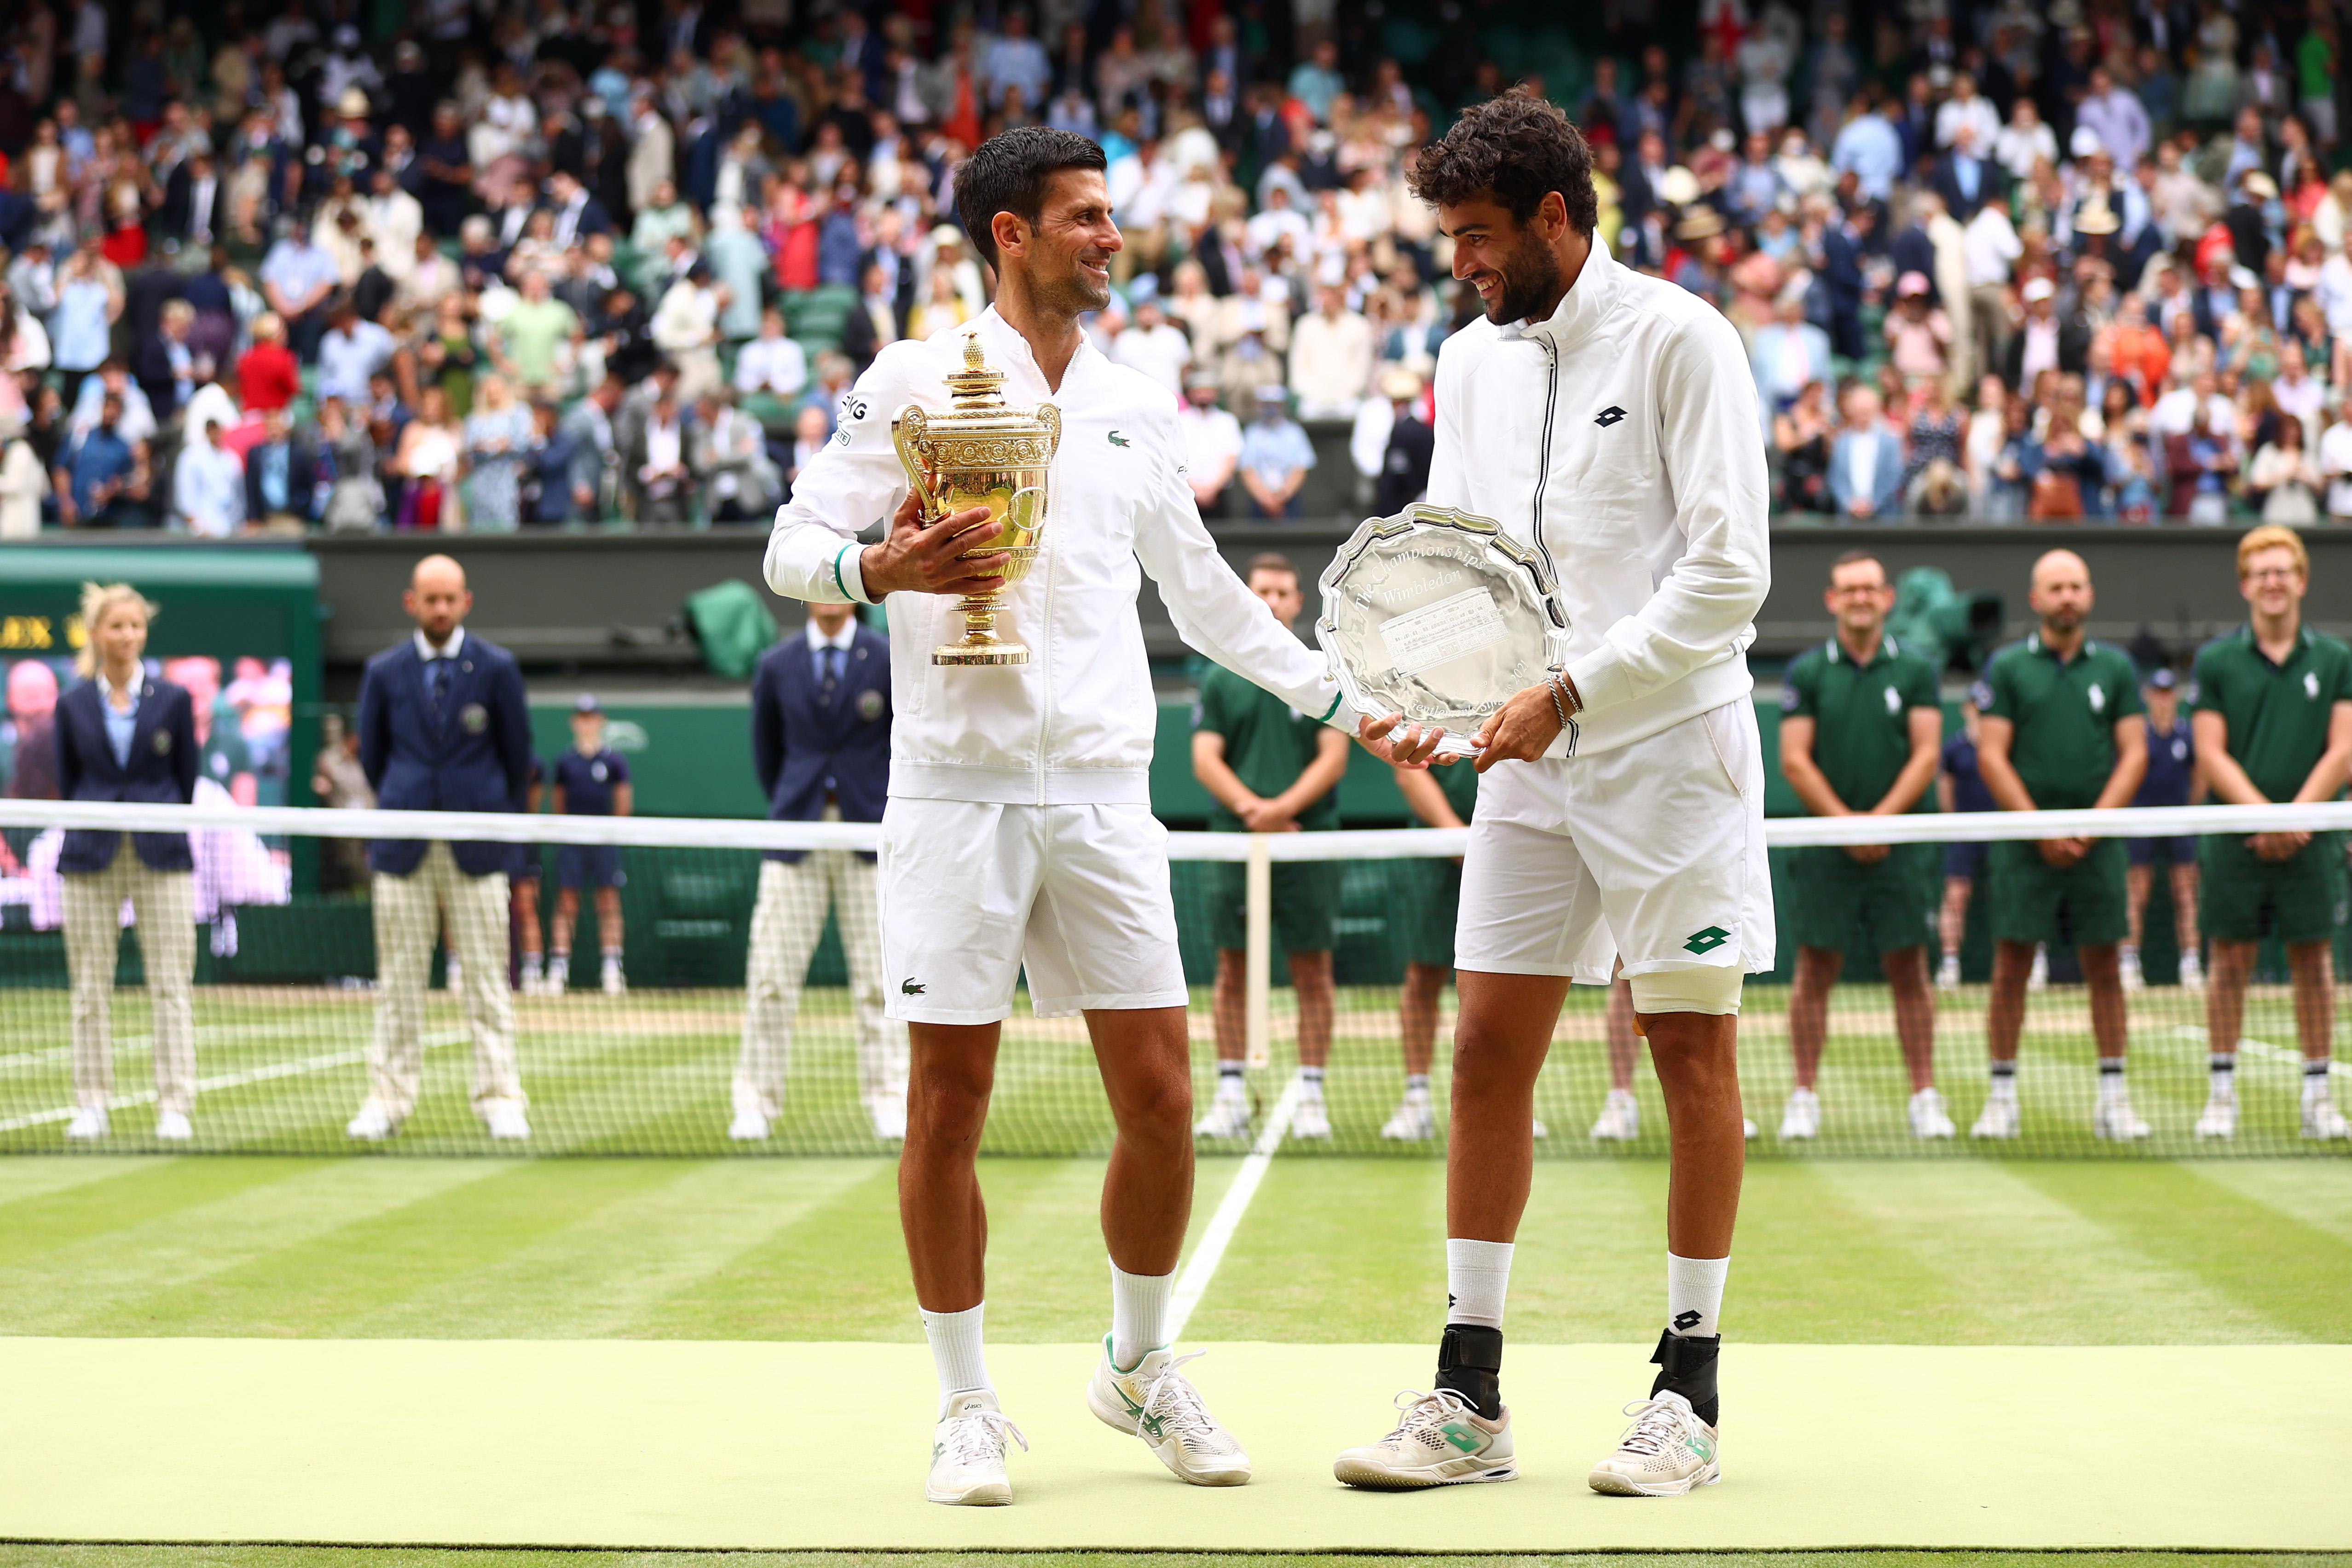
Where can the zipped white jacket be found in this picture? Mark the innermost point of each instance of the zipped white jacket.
(1075, 724)
(1619, 436)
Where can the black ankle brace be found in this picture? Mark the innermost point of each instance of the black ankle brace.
(1686, 1366)
(1470, 1362)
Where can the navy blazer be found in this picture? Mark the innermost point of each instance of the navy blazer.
(476, 758)
(162, 771)
(803, 746)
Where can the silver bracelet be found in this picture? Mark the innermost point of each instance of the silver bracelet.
(1558, 703)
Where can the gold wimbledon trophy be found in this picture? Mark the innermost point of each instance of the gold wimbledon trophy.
(983, 454)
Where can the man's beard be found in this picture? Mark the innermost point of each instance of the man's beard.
(2066, 622)
(1076, 293)
(1529, 281)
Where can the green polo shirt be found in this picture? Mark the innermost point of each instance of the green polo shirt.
(2064, 747)
(1861, 714)
(1268, 744)
(2277, 714)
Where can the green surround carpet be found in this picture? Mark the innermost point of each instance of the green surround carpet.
(823, 1446)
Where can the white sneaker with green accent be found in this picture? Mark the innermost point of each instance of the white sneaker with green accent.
(1621, 1118)
(968, 1453)
(1666, 1452)
(1442, 1441)
(1415, 1119)
(1229, 1113)
(2321, 1119)
(1153, 1401)
(1802, 1118)
(1928, 1118)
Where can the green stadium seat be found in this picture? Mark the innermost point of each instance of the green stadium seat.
(814, 316)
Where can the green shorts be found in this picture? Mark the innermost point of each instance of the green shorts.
(1425, 901)
(1306, 906)
(2241, 897)
(2080, 905)
(1845, 906)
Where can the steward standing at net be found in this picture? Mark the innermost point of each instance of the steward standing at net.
(1609, 420)
(821, 744)
(1271, 770)
(1019, 830)
(2063, 731)
(443, 728)
(2272, 718)
(1861, 728)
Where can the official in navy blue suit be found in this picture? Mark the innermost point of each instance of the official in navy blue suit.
(821, 742)
(122, 735)
(443, 728)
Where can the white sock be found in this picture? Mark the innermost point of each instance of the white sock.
(1417, 1084)
(1310, 1082)
(1694, 1295)
(1138, 1314)
(612, 954)
(1477, 1278)
(956, 1353)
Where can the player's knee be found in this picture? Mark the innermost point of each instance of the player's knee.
(1712, 989)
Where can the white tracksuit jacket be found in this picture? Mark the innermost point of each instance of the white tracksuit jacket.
(1619, 436)
(1074, 725)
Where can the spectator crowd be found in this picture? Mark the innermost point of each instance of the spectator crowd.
(542, 262)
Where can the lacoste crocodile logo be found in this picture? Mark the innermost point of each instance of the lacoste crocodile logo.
(1119, 440)
(908, 988)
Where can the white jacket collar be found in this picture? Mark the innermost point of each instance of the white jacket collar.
(1007, 347)
(1582, 308)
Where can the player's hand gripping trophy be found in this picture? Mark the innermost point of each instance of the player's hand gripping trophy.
(983, 454)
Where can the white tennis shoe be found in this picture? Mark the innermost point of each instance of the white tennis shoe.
(1153, 1401)
(888, 1115)
(748, 1127)
(1928, 1118)
(1442, 1441)
(2221, 1117)
(2113, 1118)
(614, 983)
(2127, 964)
(1621, 1118)
(173, 1127)
(1948, 974)
(508, 1125)
(1667, 1451)
(1802, 1118)
(968, 1453)
(1998, 1119)
(1415, 1120)
(1229, 1113)
(373, 1124)
(1311, 1119)
(89, 1121)
(2321, 1119)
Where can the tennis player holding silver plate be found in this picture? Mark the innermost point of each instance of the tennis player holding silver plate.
(1441, 617)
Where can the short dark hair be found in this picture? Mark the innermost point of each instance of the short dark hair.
(1855, 557)
(1271, 561)
(1519, 148)
(1009, 173)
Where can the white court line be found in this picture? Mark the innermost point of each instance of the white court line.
(2260, 1048)
(227, 1080)
(1194, 1282)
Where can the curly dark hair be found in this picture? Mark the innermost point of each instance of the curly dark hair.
(1009, 173)
(1518, 147)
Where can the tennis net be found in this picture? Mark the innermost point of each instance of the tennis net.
(285, 1001)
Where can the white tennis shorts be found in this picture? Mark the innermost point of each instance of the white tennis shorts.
(972, 893)
(1653, 851)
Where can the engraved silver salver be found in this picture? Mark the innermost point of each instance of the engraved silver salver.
(1439, 616)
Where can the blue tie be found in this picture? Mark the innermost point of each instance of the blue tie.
(832, 667)
(440, 685)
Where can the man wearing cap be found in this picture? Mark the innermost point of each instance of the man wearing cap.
(2171, 781)
(589, 780)
(2043, 342)
(2273, 716)
(1275, 457)
(821, 744)
(443, 726)
(1213, 443)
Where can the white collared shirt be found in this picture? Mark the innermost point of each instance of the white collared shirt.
(1075, 725)
(449, 650)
